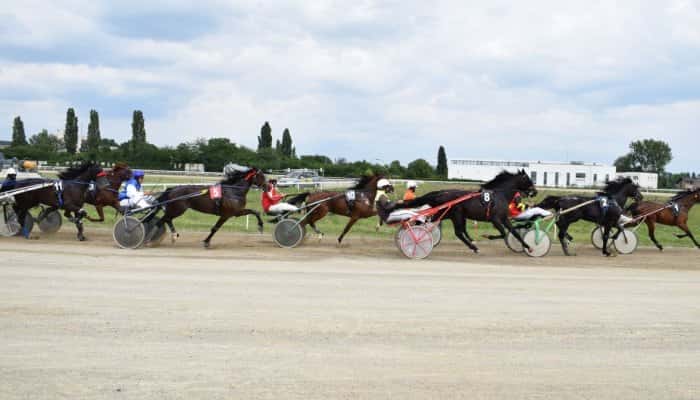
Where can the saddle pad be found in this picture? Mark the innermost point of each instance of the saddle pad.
(215, 192)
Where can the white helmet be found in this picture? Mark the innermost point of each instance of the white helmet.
(383, 182)
(11, 171)
(411, 184)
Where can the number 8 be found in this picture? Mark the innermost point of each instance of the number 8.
(487, 197)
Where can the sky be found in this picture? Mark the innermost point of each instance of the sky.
(380, 81)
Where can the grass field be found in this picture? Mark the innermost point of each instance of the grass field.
(332, 225)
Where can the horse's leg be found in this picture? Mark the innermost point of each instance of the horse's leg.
(21, 216)
(504, 224)
(651, 227)
(460, 226)
(78, 221)
(248, 211)
(222, 219)
(352, 221)
(684, 227)
(100, 214)
(564, 236)
(316, 215)
(606, 236)
(318, 231)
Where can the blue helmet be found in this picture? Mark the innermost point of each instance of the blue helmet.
(138, 173)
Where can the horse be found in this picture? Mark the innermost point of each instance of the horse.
(108, 196)
(362, 206)
(67, 193)
(665, 215)
(605, 210)
(489, 204)
(234, 189)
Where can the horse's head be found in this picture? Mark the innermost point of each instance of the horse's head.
(517, 182)
(525, 184)
(256, 177)
(120, 172)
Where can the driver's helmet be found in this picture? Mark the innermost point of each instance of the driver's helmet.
(517, 198)
(138, 173)
(11, 173)
(411, 185)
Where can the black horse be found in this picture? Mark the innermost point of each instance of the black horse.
(231, 204)
(67, 193)
(489, 204)
(604, 209)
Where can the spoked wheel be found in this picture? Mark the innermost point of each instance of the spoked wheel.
(436, 231)
(626, 242)
(539, 243)
(513, 243)
(416, 242)
(129, 233)
(288, 233)
(597, 237)
(50, 222)
(9, 226)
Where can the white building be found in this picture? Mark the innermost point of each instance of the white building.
(552, 174)
(645, 180)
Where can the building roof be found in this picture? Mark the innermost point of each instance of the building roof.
(588, 164)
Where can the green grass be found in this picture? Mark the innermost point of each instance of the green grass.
(332, 225)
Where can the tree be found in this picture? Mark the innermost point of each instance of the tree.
(46, 141)
(419, 169)
(646, 155)
(70, 134)
(442, 163)
(287, 149)
(265, 138)
(138, 129)
(93, 133)
(18, 136)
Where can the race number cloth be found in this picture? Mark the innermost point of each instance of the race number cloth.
(215, 192)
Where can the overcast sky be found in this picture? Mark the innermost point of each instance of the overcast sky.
(532, 80)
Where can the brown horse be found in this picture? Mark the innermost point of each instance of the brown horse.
(108, 196)
(234, 190)
(337, 203)
(665, 215)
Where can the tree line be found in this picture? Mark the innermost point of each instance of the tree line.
(214, 153)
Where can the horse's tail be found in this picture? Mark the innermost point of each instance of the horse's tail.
(549, 203)
(298, 199)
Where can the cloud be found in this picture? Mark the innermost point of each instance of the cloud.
(376, 80)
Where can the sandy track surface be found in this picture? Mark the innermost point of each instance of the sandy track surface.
(247, 320)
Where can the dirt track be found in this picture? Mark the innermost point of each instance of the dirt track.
(247, 320)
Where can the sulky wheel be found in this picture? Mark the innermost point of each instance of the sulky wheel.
(288, 233)
(416, 242)
(513, 243)
(539, 243)
(397, 237)
(597, 237)
(50, 222)
(626, 242)
(129, 233)
(436, 231)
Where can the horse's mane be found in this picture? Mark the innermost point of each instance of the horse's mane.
(232, 176)
(683, 193)
(120, 166)
(501, 178)
(76, 171)
(364, 180)
(615, 186)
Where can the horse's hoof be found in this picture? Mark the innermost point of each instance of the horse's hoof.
(82, 238)
(320, 237)
(205, 245)
(476, 251)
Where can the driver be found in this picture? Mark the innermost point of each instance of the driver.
(10, 180)
(132, 196)
(518, 210)
(272, 200)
